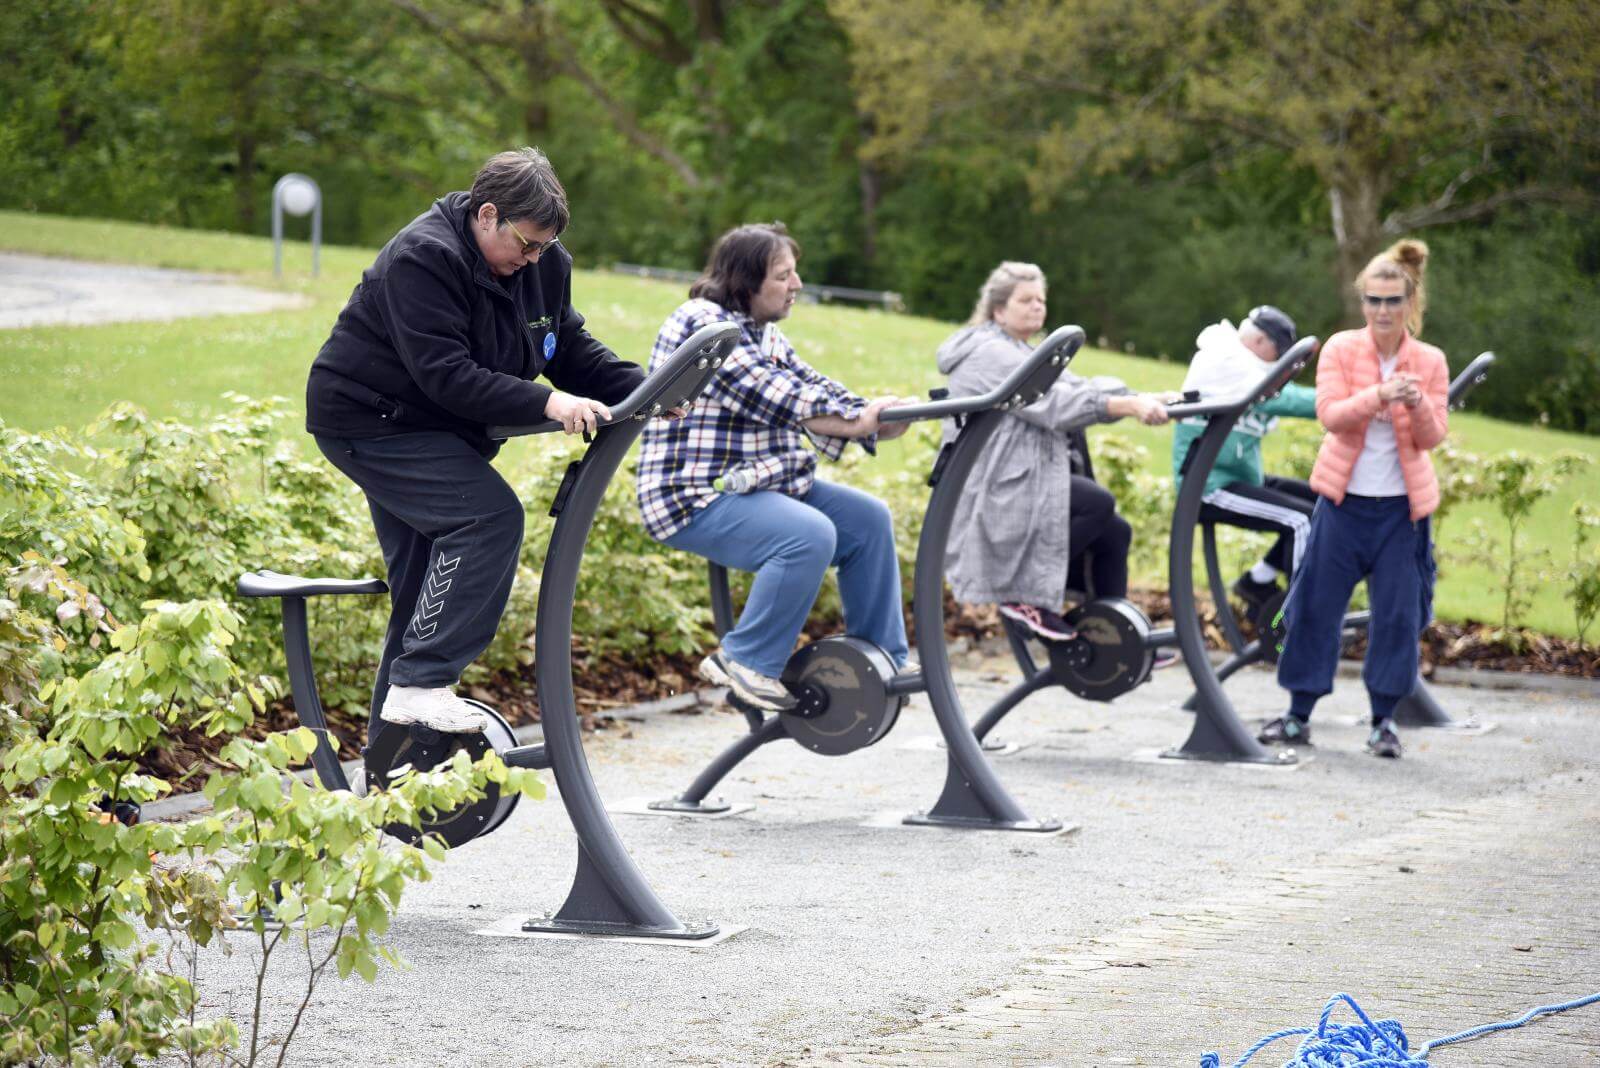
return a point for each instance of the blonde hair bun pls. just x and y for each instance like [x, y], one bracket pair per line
[1411, 253]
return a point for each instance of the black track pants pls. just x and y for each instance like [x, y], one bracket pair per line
[1099, 539]
[1281, 506]
[450, 528]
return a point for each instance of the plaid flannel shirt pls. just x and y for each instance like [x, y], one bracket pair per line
[751, 413]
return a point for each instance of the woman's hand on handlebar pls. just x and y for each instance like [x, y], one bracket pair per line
[575, 413]
[1150, 409]
[887, 431]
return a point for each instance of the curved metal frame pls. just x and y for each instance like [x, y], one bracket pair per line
[1419, 708]
[973, 796]
[1218, 732]
[609, 894]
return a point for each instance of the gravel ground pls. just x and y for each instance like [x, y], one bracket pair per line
[1242, 896]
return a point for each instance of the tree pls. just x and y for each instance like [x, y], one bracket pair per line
[1409, 115]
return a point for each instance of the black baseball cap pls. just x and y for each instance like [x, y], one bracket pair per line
[1275, 324]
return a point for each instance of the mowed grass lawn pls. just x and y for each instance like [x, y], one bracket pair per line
[61, 377]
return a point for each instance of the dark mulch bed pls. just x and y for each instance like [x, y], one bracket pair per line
[1473, 646]
[605, 685]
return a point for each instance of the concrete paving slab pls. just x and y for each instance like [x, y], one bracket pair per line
[1197, 908]
[43, 291]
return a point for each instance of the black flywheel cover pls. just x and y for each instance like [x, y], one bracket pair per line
[1114, 631]
[845, 705]
[397, 746]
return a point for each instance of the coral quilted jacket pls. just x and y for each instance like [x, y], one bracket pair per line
[1348, 377]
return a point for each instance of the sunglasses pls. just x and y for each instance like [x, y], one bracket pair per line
[532, 249]
[1382, 302]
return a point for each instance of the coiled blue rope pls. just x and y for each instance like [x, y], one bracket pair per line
[1372, 1044]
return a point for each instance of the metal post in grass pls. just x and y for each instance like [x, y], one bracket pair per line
[297, 195]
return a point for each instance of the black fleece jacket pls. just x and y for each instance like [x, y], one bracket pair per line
[432, 340]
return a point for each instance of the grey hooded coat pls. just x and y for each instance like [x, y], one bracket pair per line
[1009, 541]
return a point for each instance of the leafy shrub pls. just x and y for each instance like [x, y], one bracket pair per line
[1583, 575]
[1144, 500]
[1516, 482]
[79, 981]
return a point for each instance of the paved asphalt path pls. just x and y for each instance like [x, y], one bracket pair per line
[42, 291]
[1197, 908]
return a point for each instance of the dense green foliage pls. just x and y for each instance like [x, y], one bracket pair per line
[671, 119]
[101, 921]
[64, 376]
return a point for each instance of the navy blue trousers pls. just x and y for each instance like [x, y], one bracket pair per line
[1372, 538]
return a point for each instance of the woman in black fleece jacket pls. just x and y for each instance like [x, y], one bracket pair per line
[441, 338]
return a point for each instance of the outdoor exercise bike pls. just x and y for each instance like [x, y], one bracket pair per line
[1121, 636]
[849, 696]
[609, 895]
[1419, 709]
[1116, 642]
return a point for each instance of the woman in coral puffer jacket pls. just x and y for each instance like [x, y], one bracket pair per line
[1382, 397]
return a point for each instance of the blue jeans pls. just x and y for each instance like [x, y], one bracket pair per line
[789, 543]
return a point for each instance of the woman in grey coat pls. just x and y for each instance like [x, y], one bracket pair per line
[1030, 513]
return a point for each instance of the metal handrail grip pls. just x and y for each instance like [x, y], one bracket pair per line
[650, 397]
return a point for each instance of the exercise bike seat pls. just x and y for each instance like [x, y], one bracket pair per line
[266, 583]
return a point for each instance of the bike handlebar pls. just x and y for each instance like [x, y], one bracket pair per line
[1276, 377]
[1030, 381]
[1471, 375]
[703, 352]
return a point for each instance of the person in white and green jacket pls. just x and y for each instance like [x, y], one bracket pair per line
[1238, 493]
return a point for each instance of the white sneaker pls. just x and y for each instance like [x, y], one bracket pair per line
[750, 686]
[438, 708]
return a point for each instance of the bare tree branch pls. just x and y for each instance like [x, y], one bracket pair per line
[462, 43]
[710, 19]
[626, 123]
[1400, 222]
[647, 31]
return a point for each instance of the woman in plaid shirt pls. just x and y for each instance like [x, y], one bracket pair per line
[736, 483]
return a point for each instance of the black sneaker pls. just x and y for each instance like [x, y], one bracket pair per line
[1384, 742]
[1285, 730]
[1041, 622]
[1254, 594]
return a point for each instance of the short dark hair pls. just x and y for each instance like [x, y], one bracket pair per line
[739, 263]
[521, 184]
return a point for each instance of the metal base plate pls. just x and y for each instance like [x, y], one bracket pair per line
[1048, 827]
[697, 934]
[1282, 759]
[992, 746]
[1470, 725]
[712, 808]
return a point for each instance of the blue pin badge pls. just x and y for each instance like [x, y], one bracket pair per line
[550, 346]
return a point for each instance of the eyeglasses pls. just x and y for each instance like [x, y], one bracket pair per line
[1373, 301]
[533, 249]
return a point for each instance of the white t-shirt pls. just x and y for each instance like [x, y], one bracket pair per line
[1377, 470]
